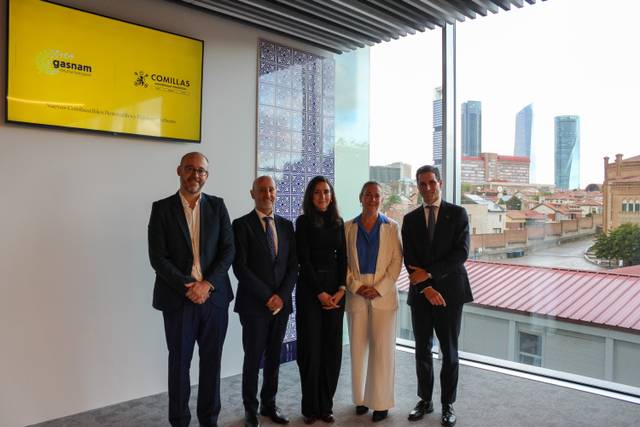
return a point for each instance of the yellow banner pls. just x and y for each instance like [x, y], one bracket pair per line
[75, 69]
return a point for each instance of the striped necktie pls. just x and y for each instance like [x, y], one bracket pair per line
[271, 242]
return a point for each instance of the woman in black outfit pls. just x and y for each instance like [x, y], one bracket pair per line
[320, 298]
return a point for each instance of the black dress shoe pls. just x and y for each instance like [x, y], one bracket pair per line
[448, 415]
[422, 407]
[328, 418]
[251, 420]
[274, 413]
[379, 415]
[361, 410]
[308, 420]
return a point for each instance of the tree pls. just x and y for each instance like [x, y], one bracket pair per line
[622, 243]
[393, 199]
[514, 204]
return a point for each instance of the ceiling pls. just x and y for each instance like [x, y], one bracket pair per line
[344, 25]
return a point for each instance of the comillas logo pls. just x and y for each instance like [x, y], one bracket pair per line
[173, 81]
[140, 80]
[161, 82]
[53, 61]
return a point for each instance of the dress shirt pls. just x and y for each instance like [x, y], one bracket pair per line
[193, 223]
[272, 224]
[368, 244]
[436, 205]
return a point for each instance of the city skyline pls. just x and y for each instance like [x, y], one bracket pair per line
[572, 67]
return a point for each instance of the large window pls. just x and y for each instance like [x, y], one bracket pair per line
[544, 117]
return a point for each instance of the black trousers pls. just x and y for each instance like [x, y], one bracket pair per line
[205, 324]
[261, 335]
[446, 322]
[319, 348]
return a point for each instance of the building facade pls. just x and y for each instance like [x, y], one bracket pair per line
[522, 145]
[471, 128]
[621, 192]
[437, 127]
[567, 152]
[491, 167]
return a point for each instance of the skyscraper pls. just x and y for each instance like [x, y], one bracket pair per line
[522, 146]
[567, 152]
[471, 128]
[437, 127]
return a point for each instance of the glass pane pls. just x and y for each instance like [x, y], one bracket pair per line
[550, 179]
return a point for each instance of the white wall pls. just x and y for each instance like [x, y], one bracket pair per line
[77, 330]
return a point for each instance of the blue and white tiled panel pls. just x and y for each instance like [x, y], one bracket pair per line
[295, 131]
[295, 121]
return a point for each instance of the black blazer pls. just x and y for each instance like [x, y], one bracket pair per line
[444, 258]
[258, 276]
[171, 254]
[322, 254]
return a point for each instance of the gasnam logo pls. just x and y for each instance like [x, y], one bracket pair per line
[54, 61]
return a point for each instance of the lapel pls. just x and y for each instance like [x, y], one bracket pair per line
[256, 226]
[280, 233]
[352, 236]
[205, 225]
[421, 225]
[441, 222]
[178, 211]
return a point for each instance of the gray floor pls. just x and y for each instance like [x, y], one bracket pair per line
[484, 399]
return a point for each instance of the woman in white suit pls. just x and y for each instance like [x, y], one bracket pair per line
[374, 255]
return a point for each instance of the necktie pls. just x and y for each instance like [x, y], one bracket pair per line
[431, 222]
[271, 242]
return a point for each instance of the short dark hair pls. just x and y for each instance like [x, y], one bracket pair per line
[309, 209]
[427, 169]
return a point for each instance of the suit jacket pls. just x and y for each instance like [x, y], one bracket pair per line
[388, 267]
[444, 258]
[171, 254]
[258, 276]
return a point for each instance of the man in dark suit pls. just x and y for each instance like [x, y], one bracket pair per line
[435, 240]
[191, 249]
[267, 268]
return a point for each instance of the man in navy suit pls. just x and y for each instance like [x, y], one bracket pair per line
[191, 249]
[435, 240]
[267, 268]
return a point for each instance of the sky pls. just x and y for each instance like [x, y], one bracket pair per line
[567, 57]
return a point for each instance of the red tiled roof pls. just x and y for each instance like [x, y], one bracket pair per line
[632, 269]
[596, 298]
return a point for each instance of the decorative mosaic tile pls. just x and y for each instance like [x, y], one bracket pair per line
[328, 144]
[283, 140]
[267, 51]
[283, 77]
[283, 97]
[267, 94]
[266, 138]
[283, 118]
[266, 160]
[283, 161]
[283, 184]
[267, 72]
[284, 56]
[266, 116]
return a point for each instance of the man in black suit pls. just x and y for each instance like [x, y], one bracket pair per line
[267, 268]
[191, 249]
[435, 240]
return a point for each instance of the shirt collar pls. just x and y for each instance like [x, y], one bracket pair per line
[436, 204]
[261, 215]
[185, 203]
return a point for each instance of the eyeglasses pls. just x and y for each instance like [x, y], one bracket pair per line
[198, 171]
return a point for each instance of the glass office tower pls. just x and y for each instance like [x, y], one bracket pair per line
[567, 152]
[471, 128]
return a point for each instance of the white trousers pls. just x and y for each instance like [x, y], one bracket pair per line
[372, 334]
